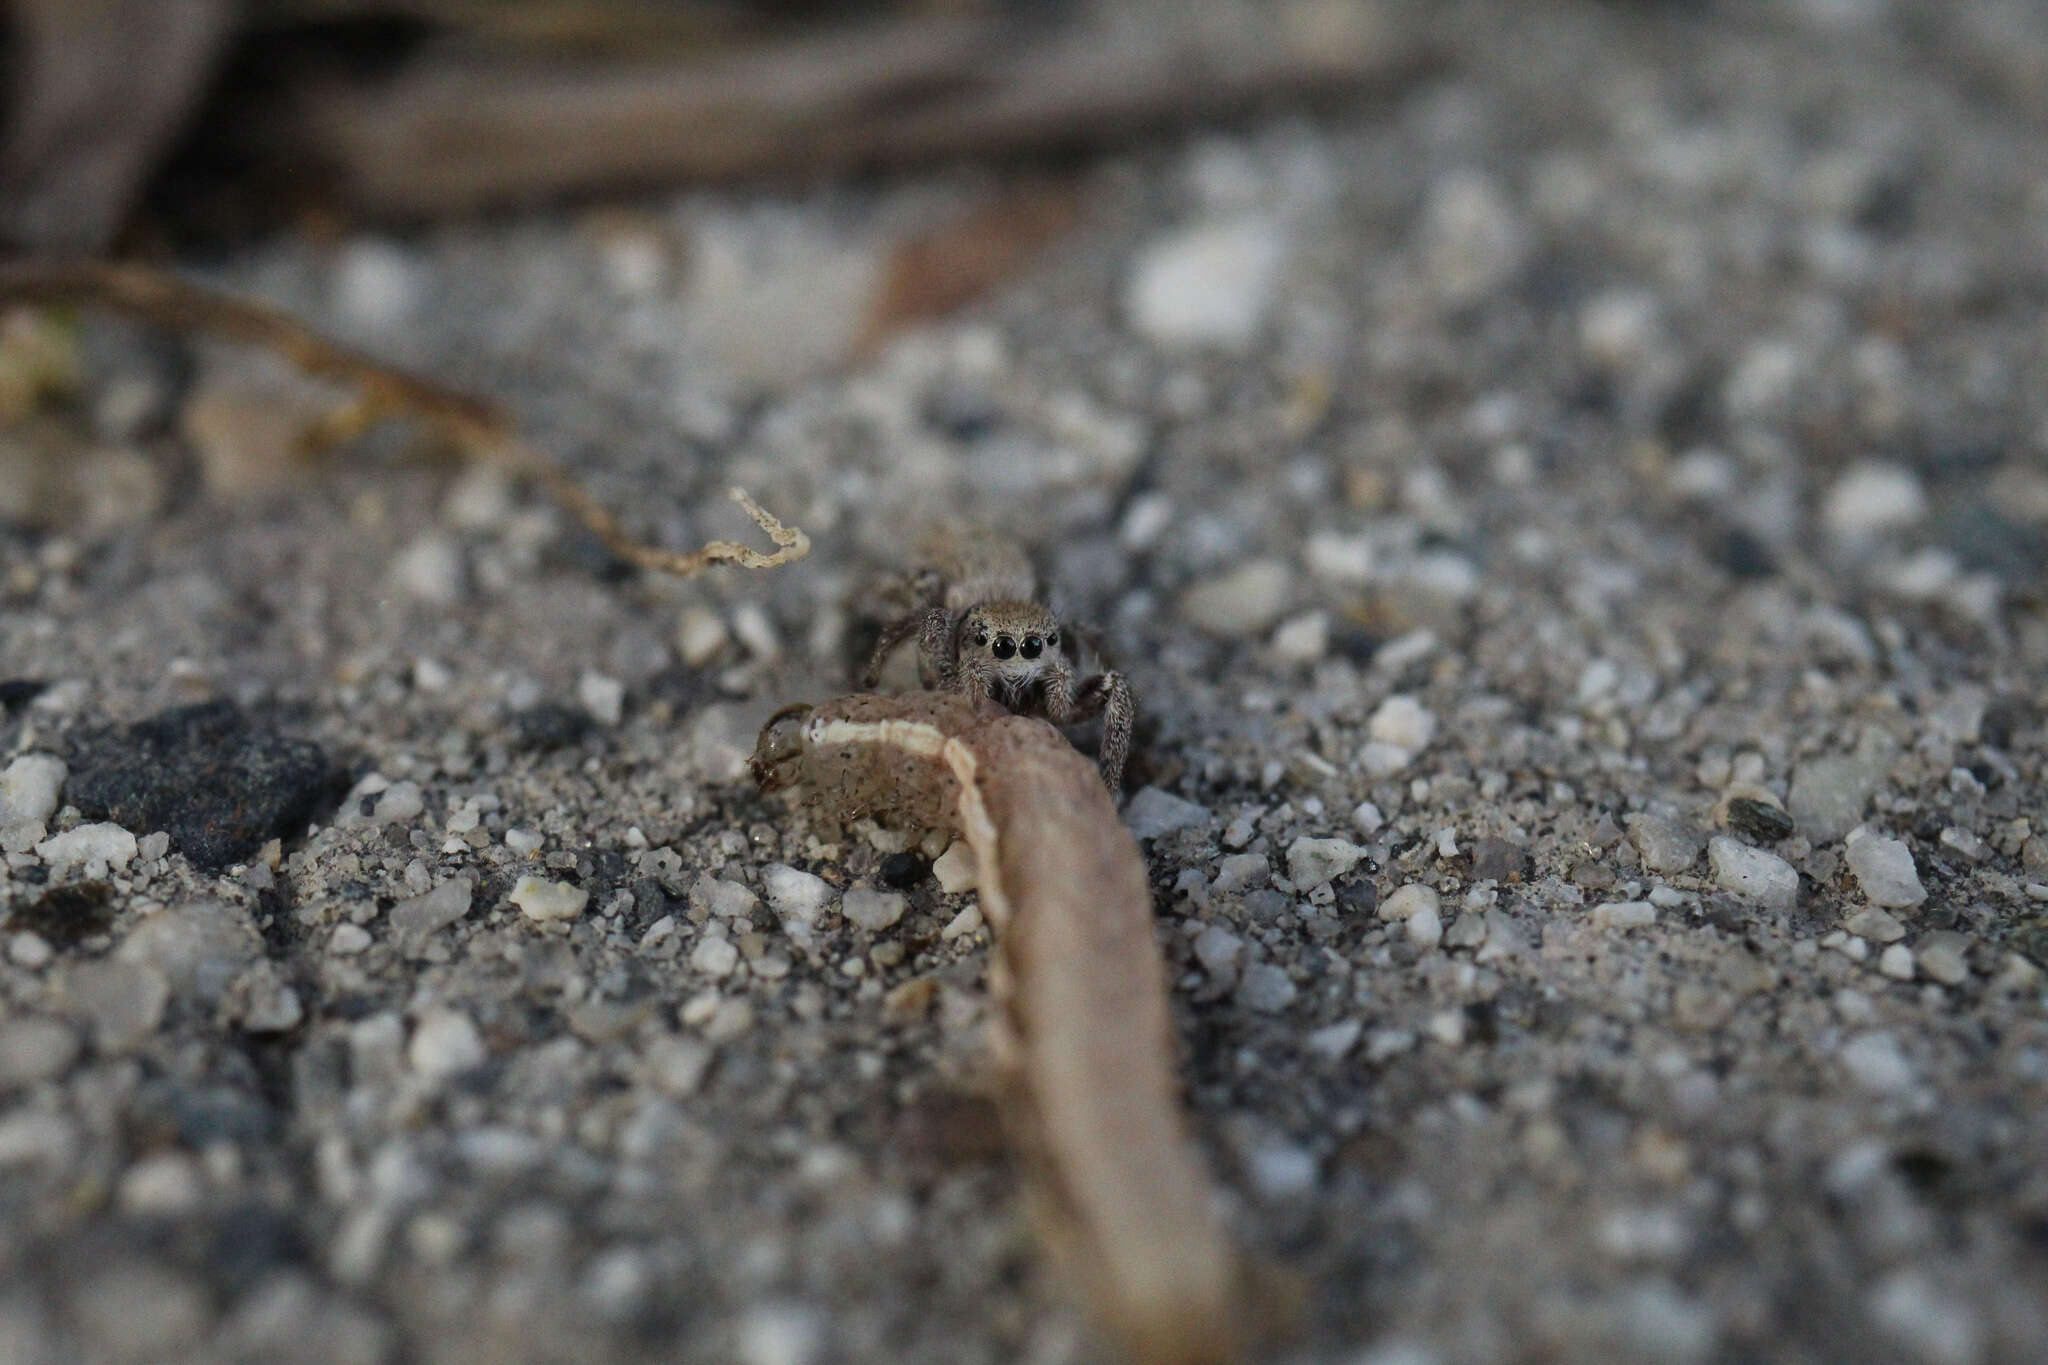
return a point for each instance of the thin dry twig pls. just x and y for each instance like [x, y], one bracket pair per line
[1083, 1038]
[476, 427]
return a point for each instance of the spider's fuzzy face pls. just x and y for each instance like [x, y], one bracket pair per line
[1012, 643]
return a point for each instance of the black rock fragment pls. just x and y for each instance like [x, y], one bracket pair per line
[1760, 820]
[65, 916]
[1499, 860]
[219, 783]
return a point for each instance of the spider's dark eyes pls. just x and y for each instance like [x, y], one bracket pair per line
[1052, 641]
[1004, 647]
[1032, 646]
[981, 637]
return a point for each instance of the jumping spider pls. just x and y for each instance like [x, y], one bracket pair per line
[982, 632]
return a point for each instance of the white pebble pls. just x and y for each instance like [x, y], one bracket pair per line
[1207, 285]
[873, 910]
[1896, 962]
[1625, 915]
[1943, 961]
[1336, 1040]
[28, 789]
[967, 922]
[348, 940]
[1883, 867]
[1265, 988]
[444, 1042]
[1302, 639]
[1753, 874]
[1426, 927]
[1876, 924]
[1872, 498]
[700, 635]
[603, 697]
[524, 842]
[1366, 818]
[795, 894]
[780, 1334]
[430, 570]
[104, 845]
[1312, 862]
[1937, 1327]
[715, 956]
[1876, 1063]
[1151, 813]
[1241, 602]
[1217, 949]
[1404, 722]
[956, 869]
[544, 900]
[1409, 901]
[756, 631]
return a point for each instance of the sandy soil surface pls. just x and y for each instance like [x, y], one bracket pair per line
[1601, 485]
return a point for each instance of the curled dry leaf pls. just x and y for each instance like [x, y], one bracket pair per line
[1083, 1038]
[476, 427]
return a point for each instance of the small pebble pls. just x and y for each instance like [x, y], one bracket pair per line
[956, 869]
[873, 910]
[1207, 285]
[523, 842]
[1425, 927]
[1404, 723]
[1759, 820]
[106, 846]
[794, 894]
[1665, 843]
[348, 939]
[34, 1049]
[1313, 862]
[1753, 874]
[1241, 872]
[1218, 950]
[1875, 1062]
[1883, 868]
[1408, 901]
[1625, 915]
[1942, 958]
[1240, 603]
[1334, 1041]
[28, 789]
[430, 570]
[1302, 639]
[1896, 962]
[700, 636]
[1265, 988]
[1876, 924]
[1151, 813]
[603, 697]
[544, 900]
[968, 921]
[444, 1043]
[715, 956]
[1871, 499]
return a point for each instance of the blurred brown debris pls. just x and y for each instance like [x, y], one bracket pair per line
[416, 108]
[96, 91]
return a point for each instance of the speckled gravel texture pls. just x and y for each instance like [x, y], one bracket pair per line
[1575, 522]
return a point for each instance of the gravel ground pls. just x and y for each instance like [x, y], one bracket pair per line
[1576, 525]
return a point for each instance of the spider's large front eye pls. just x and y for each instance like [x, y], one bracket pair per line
[1032, 646]
[1004, 647]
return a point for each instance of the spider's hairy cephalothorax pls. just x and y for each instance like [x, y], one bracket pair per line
[982, 632]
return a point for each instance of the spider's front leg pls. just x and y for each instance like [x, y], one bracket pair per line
[920, 624]
[1106, 694]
